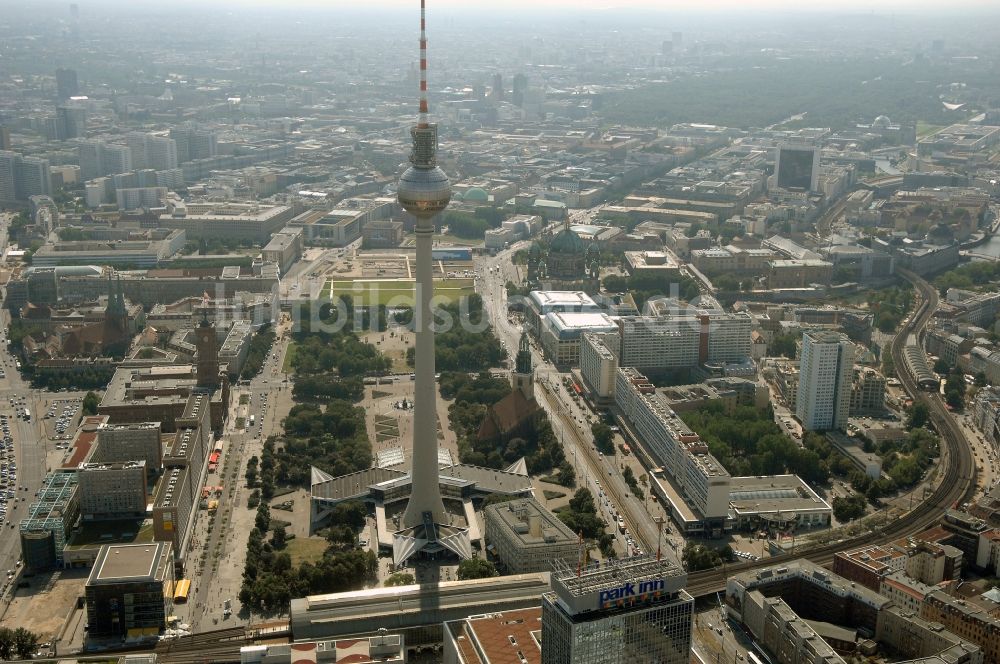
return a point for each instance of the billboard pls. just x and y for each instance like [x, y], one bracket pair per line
[797, 167]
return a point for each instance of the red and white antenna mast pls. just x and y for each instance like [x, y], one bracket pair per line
[423, 64]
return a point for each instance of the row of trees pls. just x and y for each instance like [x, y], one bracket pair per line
[646, 287]
[90, 403]
[603, 438]
[633, 485]
[323, 387]
[849, 508]
[954, 390]
[890, 306]
[968, 276]
[699, 556]
[468, 344]
[260, 346]
[334, 438]
[749, 442]
[260, 474]
[581, 517]
[19, 641]
[92, 377]
[341, 353]
[270, 580]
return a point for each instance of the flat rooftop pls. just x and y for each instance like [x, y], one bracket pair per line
[773, 493]
[517, 517]
[510, 637]
[129, 562]
[655, 260]
[551, 299]
[569, 321]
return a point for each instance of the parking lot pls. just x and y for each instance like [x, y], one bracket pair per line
[8, 473]
[64, 414]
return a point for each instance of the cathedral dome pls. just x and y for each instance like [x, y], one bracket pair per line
[567, 242]
[476, 195]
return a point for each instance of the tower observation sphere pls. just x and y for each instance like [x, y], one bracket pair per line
[424, 190]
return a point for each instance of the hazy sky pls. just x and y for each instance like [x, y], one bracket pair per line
[876, 6]
[667, 6]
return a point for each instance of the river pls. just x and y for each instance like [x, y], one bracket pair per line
[991, 248]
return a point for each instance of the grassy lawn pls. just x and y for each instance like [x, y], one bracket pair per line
[386, 428]
[286, 366]
[306, 549]
[244, 399]
[398, 292]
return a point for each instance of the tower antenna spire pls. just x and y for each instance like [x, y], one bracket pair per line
[423, 122]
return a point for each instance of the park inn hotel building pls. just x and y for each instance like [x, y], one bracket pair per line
[633, 611]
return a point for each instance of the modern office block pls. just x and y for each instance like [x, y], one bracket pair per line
[125, 590]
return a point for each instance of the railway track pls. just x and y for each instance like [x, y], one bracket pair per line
[206, 647]
[956, 485]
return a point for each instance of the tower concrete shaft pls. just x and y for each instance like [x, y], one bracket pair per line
[426, 490]
[424, 191]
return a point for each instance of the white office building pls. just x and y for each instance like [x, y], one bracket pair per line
[598, 365]
[134, 198]
[703, 483]
[825, 378]
[683, 340]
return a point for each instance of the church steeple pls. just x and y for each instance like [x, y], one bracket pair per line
[523, 363]
[523, 378]
[115, 313]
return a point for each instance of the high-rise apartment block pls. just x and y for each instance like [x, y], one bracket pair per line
[98, 158]
[125, 590]
[23, 177]
[67, 84]
[71, 122]
[152, 151]
[8, 168]
[825, 372]
[868, 392]
[194, 143]
[635, 610]
[130, 442]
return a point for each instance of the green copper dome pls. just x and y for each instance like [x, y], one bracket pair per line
[567, 242]
[476, 195]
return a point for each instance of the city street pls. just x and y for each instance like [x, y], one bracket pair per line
[569, 420]
[31, 447]
[224, 543]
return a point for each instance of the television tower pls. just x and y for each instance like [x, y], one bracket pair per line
[424, 191]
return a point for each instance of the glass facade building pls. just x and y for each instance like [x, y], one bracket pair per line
[635, 611]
